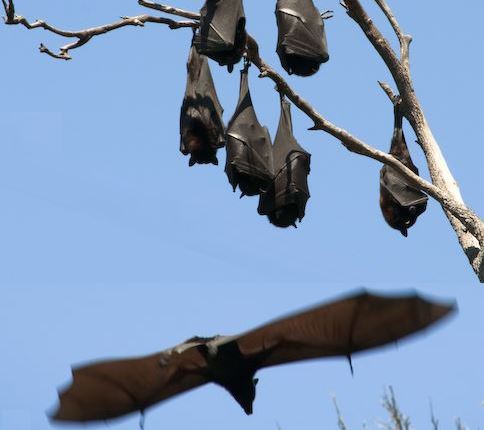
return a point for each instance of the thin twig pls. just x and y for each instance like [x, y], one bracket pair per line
[169, 9]
[400, 421]
[433, 420]
[341, 423]
[403, 39]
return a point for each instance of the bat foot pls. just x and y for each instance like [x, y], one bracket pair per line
[350, 362]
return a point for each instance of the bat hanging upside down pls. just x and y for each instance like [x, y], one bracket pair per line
[113, 388]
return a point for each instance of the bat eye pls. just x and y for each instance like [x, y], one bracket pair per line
[255, 381]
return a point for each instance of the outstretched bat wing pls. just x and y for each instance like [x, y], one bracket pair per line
[113, 388]
[202, 129]
[285, 199]
[301, 43]
[249, 147]
[222, 35]
[340, 328]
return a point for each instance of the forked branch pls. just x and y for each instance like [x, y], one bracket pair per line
[84, 36]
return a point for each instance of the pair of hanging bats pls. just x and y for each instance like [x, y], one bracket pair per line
[301, 43]
[113, 388]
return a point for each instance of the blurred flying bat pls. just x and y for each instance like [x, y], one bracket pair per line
[222, 35]
[202, 129]
[400, 203]
[285, 200]
[356, 323]
[301, 43]
[249, 147]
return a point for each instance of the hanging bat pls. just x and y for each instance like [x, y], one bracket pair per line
[202, 129]
[113, 388]
[301, 43]
[248, 145]
[285, 200]
[400, 203]
[222, 35]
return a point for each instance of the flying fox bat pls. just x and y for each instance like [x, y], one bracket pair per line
[285, 199]
[400, 203]
[249, 147]
[362, 321]
[222, 35]
[301, 43]
[202, 129]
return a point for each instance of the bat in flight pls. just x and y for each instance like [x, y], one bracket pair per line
[222, 35]
[249, 147]
[301, 43]
[112, 388]
[285, 199]
[202, 129]
[400, 203]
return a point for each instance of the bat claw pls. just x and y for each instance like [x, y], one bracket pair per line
[350, 362]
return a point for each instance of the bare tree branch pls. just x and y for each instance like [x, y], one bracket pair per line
[433, 420]
[341, 423]
[84, 36]
[403, 39]
[169, 9]
[468, 226]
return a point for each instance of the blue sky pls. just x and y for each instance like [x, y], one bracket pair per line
[110, 245]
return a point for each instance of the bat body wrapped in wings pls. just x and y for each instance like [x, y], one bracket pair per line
[285, 199]
[400, 203]
[248, 145]
[222, 35]
[202, 129]
[301, 43]
[359, 322]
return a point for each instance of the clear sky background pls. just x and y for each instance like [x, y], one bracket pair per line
[111, 246]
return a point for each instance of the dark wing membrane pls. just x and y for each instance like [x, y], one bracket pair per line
[202, 129]
[249, 147]
[340, 328]
[114, 388]
[222, 34]
[398, 188]
[301, 43]
[285, 200]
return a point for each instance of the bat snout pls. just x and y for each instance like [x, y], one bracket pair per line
[249, 409]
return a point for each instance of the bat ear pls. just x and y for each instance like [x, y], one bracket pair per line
[214, 160]
[191, 162]
[255, 381]
[404, 231]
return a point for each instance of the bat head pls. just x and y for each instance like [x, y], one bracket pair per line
[301, 66]
[398, 216]
[249, 185]
[196, 142]
[244, 394]
[285, 216]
